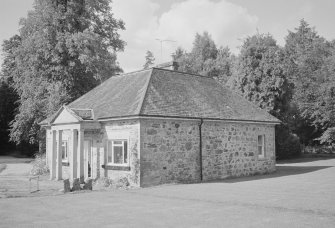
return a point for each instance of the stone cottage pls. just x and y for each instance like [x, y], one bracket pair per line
[160, 126]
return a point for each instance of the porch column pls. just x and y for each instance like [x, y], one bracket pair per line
[81, 153]
[59, 156]
[73, 162]
[47, 152]
[53, 155]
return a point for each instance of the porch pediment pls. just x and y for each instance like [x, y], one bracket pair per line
[66, 115]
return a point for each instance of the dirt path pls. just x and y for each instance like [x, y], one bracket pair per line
[17, 169]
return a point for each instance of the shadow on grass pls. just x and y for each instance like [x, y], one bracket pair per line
[281, 171]
[2, 167]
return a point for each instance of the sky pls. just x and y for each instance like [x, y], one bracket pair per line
[163, 25]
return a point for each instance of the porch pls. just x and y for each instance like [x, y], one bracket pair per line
[73, 151]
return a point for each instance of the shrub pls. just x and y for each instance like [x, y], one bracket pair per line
[39, 165]
[106, 182]
[287, 143]
[321, 149]
[122, 182]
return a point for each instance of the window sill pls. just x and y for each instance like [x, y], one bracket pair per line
[65, 163]
[116, 167]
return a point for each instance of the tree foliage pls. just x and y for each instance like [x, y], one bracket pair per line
[149, 60]
[259, 74]
[8, 99]
[205, 58]
[66, 47]
[311, 66]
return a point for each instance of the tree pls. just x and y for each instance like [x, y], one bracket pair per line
[179, 52]
[259, 74]
[321, 107]
[66, 48]
[221, 68]
[204, 50]
[205, 58]
[8, 96]
[309, 66]
[149, 60]
[8, 99]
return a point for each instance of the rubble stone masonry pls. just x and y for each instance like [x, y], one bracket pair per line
[170, 150]
[230, 149]
[126, 129]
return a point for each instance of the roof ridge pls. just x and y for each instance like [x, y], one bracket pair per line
[132, 72]
[145, 93]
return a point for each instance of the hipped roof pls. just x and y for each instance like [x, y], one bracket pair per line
[166, 93]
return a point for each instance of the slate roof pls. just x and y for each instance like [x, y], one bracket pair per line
[178, 94]
[119, 96]
[160, 92]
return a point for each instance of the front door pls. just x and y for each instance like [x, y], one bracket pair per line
[88, 158]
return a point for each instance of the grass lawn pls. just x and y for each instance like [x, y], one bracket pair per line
[14, 179]
[299, 194]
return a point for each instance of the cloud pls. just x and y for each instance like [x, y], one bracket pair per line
[140, 21]
[226, 22]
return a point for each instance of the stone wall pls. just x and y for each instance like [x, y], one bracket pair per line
[128, 129]
[169, 151]
[230, 149]
[66, 172]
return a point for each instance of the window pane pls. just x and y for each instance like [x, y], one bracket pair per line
[109, 153]
[118, 154]
[117, 142]
[125, 152]
[260, 150]
[260, 140]
[64, 150]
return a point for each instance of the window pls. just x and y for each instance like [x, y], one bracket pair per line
[117, 152]
[64, 150]
[261, 146]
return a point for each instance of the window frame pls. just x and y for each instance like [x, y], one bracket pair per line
[262, 145]
[112, 163]
[66, 158]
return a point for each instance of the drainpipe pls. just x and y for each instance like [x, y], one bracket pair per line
[200, 148]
